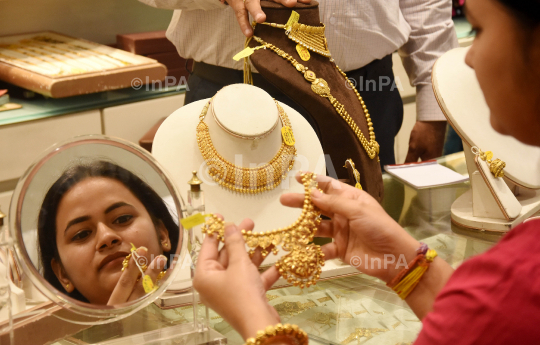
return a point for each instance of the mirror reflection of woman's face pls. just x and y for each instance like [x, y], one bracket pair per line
[96, 221]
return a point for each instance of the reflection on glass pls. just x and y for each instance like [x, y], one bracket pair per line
[88, 220]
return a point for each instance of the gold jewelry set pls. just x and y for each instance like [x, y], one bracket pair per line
[496, 166]
[302, 266]
[293, 331]
[246, 180]
[312, 38]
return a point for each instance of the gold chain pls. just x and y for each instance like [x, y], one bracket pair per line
[240, 179]
[310, 37]
[302, 266]
[320, 87]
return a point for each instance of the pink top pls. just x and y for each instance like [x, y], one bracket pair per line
[493, 298]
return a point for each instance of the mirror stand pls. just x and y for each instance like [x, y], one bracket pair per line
[492, 204]
[5, 283]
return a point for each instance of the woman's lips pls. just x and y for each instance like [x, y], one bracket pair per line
[116, 263]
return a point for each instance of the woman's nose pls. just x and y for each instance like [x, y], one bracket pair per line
[469, 57]
[106, 237]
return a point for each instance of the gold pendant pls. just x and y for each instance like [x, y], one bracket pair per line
[302, 266]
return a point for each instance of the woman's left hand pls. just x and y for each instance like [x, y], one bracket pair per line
[229, 282]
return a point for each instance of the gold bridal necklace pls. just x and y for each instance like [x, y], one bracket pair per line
[302, 266]
[247, 180]
[310, 38]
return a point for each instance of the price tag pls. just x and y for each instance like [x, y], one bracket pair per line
[244, 53]
[147, 284]
[287, 134]
[303, 52]
[292, 19]
[192, 221]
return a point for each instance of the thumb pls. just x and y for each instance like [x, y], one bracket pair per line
[235, 244]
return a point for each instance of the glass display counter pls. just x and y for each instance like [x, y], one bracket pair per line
[355, 309]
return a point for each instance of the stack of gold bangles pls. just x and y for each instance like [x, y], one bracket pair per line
[293, 331]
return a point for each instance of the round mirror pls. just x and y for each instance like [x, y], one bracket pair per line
[96, 227]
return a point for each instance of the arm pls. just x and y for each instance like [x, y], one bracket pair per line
[188, 5]
[360, 228]
[432, 34]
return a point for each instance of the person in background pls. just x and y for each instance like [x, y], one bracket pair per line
[362, 35]
[493, 298]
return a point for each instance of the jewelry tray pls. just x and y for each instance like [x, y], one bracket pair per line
[57, 65]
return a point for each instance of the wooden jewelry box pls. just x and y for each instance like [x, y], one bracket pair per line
[57, 65]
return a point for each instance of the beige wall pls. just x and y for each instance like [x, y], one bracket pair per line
[94, 20]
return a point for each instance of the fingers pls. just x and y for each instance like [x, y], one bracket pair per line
[325, 229]
[234, 244]
[254, 8]
[328, 184]
[257, 257]
[412, 155]
[128, 279]
[330, 251]
[344, 205]
[269, 277]
[287, 3]
[241, 14]
[292, 200]
[157, 265]
[209, 249]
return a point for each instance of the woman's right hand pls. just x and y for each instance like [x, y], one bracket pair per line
[130, 285]
[360, 227]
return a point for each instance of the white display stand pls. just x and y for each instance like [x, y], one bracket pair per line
[492, 204]
[246, 111]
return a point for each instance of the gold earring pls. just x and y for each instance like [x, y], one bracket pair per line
[496, 166]
[67, 286]
[356, 173]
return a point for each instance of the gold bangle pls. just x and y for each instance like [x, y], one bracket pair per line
[293, 331]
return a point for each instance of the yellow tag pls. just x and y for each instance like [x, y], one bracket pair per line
[147, 284]
[358, 185]
[244, 53]
[133, 248]
[303, 52]
[287, 134]
[192, 221]
[292, 19]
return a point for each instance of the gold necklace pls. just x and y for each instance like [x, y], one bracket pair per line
[310, 37]
[302, 266]
[240, 179]
[320, 87]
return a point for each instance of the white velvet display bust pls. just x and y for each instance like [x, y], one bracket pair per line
[250, 112]
[493, 204]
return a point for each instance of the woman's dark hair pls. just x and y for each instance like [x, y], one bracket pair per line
[526, 11]
[153, 203]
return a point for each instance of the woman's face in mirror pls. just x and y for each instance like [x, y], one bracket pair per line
[96, 222]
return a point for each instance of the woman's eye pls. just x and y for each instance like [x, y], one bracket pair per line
[81, 235]
[123, 219]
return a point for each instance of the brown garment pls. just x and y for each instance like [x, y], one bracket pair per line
[337, 138]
